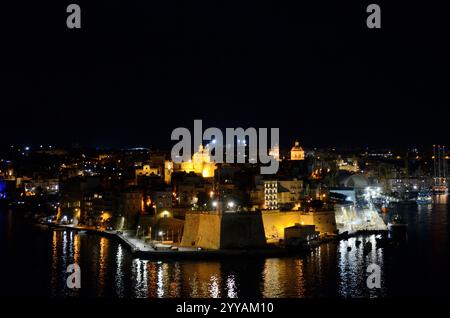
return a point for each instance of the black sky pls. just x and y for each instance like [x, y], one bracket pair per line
[138, 69]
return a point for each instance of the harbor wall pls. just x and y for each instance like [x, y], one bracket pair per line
[325, 222]
[201, 230]
[249, 230]
[242, 230]
[225, 231]
[276, 221]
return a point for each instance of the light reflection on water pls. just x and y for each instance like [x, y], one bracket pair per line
[353, 263]
[335, 269]
[109, 270]
[119, 272]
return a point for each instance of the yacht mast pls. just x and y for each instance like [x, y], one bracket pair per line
[439, 163]
[434, 164]
[444, 164]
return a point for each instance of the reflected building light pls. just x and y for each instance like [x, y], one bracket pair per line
[160, 282]
[174, 286]
[300, 279]
[271, 278]
[231, 287]
[64, 247]
[137, 266]
[144, 278]
[102, 263]
[119, 274]
[55, 258]
[71, 245]
[152, 280]
[140, 288]
[214, 287]
[77, 249]
[194, 285]
[119, 255]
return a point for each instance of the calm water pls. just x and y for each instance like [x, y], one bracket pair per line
[33, 263]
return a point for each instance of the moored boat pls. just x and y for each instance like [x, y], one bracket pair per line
[424, 197]
[397, 225]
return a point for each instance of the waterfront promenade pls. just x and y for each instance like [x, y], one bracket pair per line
[158, 250]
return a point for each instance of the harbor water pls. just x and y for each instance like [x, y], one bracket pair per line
[33, 263]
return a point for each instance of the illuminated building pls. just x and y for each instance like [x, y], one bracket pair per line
[347, 165]
[275, 152]
[147, 170]
[200, 164]
[297, 152]
[38, 186]
[281, 193]
[98, 205]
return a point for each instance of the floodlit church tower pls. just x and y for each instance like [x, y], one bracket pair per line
[200, 163]
[297, 152]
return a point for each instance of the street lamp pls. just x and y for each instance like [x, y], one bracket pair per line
[137, 231]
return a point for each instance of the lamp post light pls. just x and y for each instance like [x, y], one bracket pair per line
[137, 230]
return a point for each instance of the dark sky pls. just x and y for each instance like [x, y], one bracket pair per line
[138, 69]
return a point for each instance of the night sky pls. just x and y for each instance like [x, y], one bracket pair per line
[138, 69]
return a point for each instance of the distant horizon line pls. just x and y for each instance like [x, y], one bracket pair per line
[74, 146]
